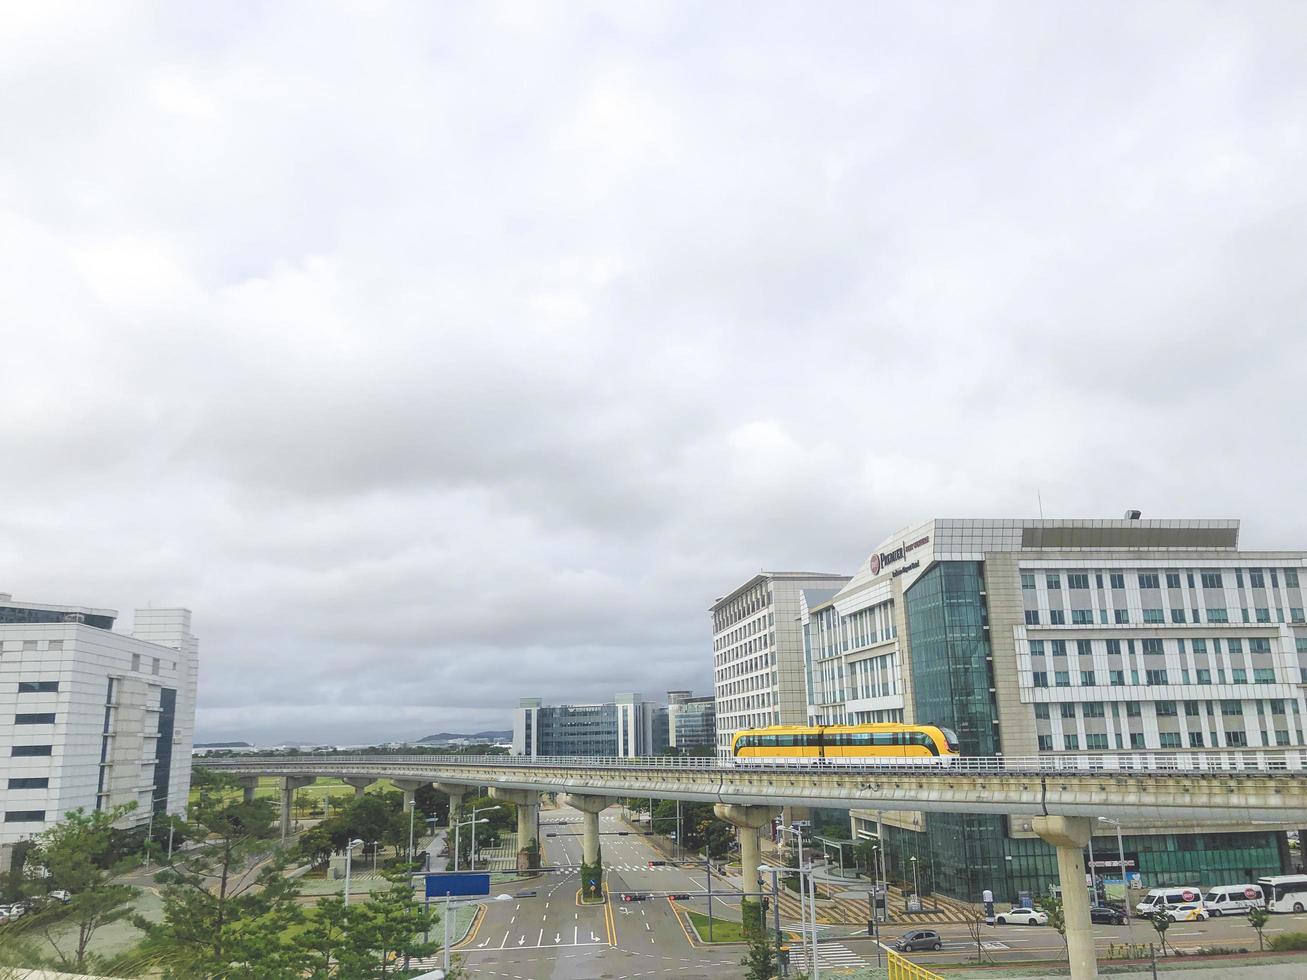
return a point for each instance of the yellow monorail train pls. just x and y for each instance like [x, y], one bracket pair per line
[879, 744]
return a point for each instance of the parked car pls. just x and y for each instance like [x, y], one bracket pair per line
[1022, 917]
[1106, 915]
[917, 939]
[59, 895]
[526, 893]
[1158, 898]
[1233, 899]
[1187, 912]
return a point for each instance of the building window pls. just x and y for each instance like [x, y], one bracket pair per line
[1212, 580]
[1041, 710]
[1116, 678]
[1027, 580]
[1238, 675]
[1032, 617]
[1153, 647]
[1154, 616]
[1061, 678]
[1281, 736]
[42, 718]
[1165, 709]
[1236, 740]
[1093, 709]
[31, 750]
[1177, 615]
[1116, 580]
[1053, 581]
[1121, 615]
[1204, 675]
[24, 816]
[1082, 617]
[1056, 617]
[1173, 580]
[1155, 677]
[1149, 581]
[1218, 615]
[1059, 648]
[136, 661]
[1096, 742]
[1195, 740]
[1263, 614]
[1169, 740]
[38, 687]
[1077, 581]
[1045, 743]
[1259, 644]
[1040, 678]
[1291, 577]
[1071, 742]
[1137, 740]
[1296, 614]
[1067, 709]
[1132, 709]
[1114, 648]
[1232, 709]
[1255, 578]
[1087, 678]
[29, 782]
[1191, 709]
[1263, 675]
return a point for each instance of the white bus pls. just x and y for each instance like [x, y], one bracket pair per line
[1285, 893]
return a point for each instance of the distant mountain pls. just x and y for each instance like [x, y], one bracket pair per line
[223, 745]
[442, 738]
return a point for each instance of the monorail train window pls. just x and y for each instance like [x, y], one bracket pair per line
[951, 738]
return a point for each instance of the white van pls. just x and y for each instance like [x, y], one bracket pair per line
[1158, 898]
[1234, 899]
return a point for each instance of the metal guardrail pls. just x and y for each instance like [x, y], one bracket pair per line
[902, 968]
[1250, 762]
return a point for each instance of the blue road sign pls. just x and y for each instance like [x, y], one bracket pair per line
[457, 884]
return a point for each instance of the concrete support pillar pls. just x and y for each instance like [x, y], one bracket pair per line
[409, 787]
[528, 809]
[747, 820]
[455, 792]
[360, 784]
[1070, 835]
[248, 785]
[289, 784]
[590, 807]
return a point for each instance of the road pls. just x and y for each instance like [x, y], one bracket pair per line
[1014, 943]
[551, 936]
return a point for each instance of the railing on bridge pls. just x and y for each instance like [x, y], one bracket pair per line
[1252, 761]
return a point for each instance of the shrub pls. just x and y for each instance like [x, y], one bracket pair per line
[1289, 940]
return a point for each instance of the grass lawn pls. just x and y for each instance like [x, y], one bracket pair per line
[723, 930]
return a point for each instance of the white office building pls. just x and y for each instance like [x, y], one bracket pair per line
[1036, 637]
[92, 718]
[758, 660]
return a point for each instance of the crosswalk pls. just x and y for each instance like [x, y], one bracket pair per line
[829, 955]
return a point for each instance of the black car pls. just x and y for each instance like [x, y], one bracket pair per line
[1106, 915]
[918, 939]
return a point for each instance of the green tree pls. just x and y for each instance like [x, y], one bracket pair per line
[228, 909]
[760, 959]
[1257, 918]
[368, 939]
[76, 856]
[1160, 923]
[1056, 918]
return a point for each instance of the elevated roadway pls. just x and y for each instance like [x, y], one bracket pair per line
[1062, 794]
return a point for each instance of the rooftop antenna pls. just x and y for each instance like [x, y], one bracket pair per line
[1041, 503]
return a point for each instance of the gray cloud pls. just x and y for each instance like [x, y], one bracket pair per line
[439, 355]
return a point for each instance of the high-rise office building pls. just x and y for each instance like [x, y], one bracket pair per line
[758, 665]
[1037, 637]
[692, 722]
[91, 718]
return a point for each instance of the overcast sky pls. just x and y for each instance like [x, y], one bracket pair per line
[436, 355]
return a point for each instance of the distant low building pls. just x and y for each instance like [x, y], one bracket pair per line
[627, 726]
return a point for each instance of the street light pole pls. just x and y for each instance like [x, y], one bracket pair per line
[916, 885]
[412, 808]
[349, 857]
[1120, 853]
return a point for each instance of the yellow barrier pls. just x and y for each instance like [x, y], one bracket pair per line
[901, 968]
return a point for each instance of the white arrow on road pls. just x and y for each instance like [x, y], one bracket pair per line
[594, 938]
[521, 940]
[625, 911]
[482, 945]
